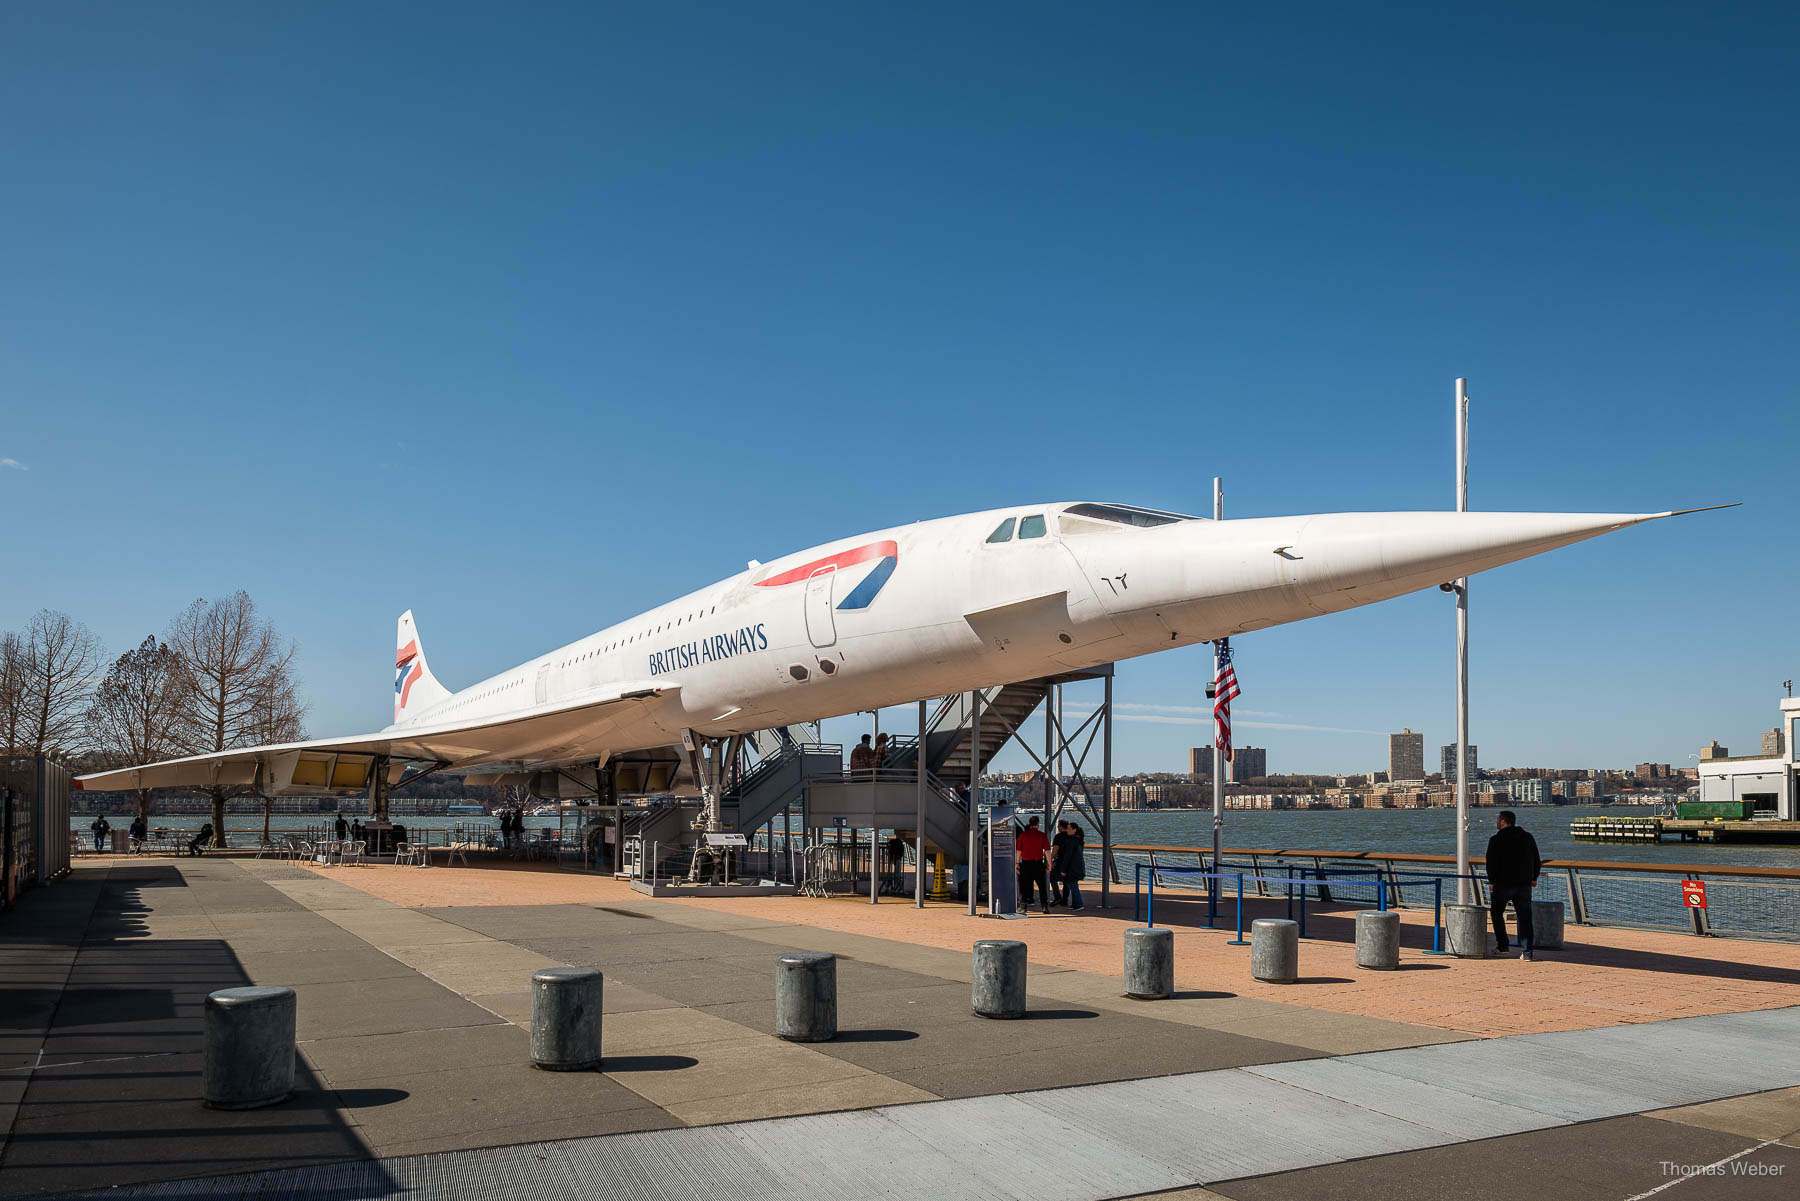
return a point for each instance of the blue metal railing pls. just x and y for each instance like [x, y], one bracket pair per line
[1145, 900]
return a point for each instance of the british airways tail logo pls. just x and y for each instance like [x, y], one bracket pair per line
[888, 556]
[406, 670]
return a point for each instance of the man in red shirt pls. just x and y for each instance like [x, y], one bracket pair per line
[1031, 846]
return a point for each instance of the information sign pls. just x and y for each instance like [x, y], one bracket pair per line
[1003, 874]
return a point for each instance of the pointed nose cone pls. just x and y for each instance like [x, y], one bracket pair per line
[1349, 559]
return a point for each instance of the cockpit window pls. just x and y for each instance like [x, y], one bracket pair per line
[1032, 527]
[1126, 515]
[1003, 533]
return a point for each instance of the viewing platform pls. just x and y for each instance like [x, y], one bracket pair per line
[414, 1076]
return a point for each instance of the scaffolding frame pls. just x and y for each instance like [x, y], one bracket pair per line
[1073, 747]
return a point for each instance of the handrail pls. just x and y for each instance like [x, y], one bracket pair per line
[893, 775]
[794, 751]
[1606, 865]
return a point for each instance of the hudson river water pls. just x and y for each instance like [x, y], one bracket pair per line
[1428, 832]
[1422, 831]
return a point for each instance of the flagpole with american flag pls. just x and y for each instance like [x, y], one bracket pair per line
[1218, 778]
[1225, 690]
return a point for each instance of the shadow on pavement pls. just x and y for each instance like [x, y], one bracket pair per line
[646, 1063]
[112, 1090]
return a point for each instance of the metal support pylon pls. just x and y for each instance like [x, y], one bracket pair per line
[1070, 747]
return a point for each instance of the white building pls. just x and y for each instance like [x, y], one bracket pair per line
[1529, 792]
[1768, 781]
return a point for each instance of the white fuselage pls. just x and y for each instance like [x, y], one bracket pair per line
[937, 607]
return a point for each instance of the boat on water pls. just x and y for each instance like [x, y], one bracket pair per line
[466, 810]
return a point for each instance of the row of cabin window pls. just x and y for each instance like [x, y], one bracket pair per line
[1029, 527]
[642, 634]
[484, 695]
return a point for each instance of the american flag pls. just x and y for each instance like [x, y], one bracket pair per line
[1225, 689]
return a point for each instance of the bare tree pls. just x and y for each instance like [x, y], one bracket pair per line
[237, 683]
[61, 657]
[280, 718]
[511, 796]
[136, 710]
[13, 656]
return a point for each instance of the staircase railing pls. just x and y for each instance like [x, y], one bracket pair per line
[895, 775]
[778, 763]
[954, 709]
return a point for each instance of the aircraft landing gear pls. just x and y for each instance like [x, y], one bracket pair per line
[710, 760]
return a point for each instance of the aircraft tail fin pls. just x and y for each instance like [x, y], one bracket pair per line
[415, 688]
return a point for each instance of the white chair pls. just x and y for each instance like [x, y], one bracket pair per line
[403, 854]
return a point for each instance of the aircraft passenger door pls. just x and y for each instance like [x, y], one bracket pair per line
[821, 626]
[543, 684]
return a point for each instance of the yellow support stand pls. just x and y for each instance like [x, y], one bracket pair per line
[940, 883]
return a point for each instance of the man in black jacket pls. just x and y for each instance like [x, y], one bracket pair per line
[1512, 870]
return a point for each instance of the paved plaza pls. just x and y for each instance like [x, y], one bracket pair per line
[1588, 1073]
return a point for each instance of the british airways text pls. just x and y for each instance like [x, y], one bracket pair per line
[742, 641]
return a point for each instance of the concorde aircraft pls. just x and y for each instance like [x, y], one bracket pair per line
[923, 610]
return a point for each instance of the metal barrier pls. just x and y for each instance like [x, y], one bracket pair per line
[1290, 881]
[823, 867]
[1743, 902]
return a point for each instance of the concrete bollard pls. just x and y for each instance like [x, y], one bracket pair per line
[249, 1048]
[1149, 963]
[1378, 940]
[1466, 931]
[1546, 925]
[565, 1018]
[806, 996]
[997, 979]
[1275, 950]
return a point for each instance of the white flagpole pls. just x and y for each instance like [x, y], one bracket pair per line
[1464, 891]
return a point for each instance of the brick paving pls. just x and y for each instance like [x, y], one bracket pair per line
[414, 993]
[1603, 976]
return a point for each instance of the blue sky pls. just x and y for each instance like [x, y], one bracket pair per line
[531, 318]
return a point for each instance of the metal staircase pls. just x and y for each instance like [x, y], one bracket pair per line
[779, 781]
[1004, 709]
[946, 822]
[795, 769]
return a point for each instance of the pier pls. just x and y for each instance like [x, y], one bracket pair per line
[1732, 831]
[1654, 829]
[414, 1075]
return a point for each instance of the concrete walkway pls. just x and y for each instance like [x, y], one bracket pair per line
[414, 1054]
[1264, 1128]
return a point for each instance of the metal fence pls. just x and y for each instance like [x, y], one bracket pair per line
[34, 822]
[1742, 902]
